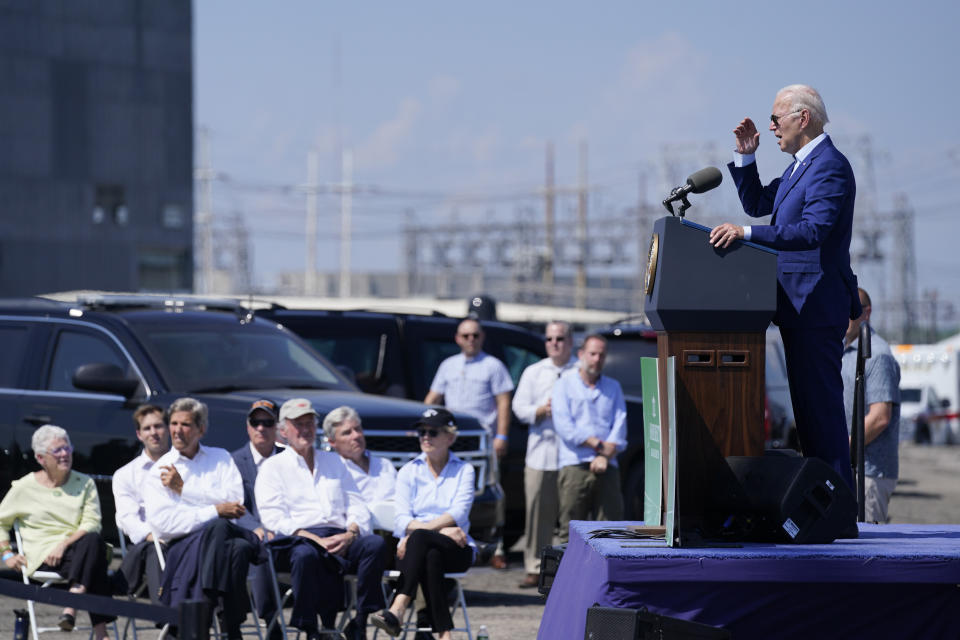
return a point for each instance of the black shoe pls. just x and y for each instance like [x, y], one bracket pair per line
[387, 621]
[66, 622]
[356, 629]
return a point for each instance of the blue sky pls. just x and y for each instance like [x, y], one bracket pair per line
[445, 98]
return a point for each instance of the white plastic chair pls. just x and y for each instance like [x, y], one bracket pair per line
[460, 602]
[46, 579]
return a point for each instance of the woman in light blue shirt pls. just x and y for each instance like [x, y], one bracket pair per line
[433, 499]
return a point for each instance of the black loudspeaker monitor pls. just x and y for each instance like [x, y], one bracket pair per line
[789, 499]
[608, 623]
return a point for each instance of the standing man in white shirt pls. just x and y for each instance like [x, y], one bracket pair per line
[191, 495]
[308, 494]
[590, 416]
[531, 404]
[141, 557]
[477, 384]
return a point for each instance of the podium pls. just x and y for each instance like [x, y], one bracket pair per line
[711, 309]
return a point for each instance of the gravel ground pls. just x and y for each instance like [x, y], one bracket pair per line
[928, 493]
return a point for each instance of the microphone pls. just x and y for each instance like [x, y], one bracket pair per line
[698, 182]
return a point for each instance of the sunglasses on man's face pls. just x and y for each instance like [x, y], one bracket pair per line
[263, 422]
[555, 339]
[433, 433]
[466, 336]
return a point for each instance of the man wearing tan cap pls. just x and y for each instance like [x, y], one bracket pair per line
[310, 500]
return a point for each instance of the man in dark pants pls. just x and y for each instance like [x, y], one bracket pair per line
[262, 432]
[190, 494]
[812, 208]
[141, 558]
[308, 497]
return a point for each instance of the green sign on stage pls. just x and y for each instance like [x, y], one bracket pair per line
[653, 466]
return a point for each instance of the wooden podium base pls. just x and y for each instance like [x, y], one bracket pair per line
[720, 388]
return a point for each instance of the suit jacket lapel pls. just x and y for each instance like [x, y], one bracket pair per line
[788, 181]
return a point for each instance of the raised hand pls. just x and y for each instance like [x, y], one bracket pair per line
[748, 138]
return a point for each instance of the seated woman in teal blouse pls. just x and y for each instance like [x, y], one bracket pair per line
[59, 514]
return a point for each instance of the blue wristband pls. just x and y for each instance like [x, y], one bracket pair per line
[7, 555]
[500, 436]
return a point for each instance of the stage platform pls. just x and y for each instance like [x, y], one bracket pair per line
[894, 581]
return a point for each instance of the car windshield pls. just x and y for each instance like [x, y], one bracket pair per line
[623, 362]
[215, 358]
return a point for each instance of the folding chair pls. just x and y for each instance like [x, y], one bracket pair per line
[350, 588]
[247, 629]
[460, 602]
[46, 579]
[131, 627]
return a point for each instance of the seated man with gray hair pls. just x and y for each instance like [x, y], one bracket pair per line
[192, 494]
[376, 477]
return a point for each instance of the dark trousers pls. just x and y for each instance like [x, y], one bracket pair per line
[85, 563]
[212, 563]
[317, 577]
[429, 555]
[816, 389]
[141, 563]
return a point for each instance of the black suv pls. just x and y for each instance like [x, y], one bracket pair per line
[398, 354]
[85, 366]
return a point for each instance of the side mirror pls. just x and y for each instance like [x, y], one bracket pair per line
[945, 402]
[106, 378]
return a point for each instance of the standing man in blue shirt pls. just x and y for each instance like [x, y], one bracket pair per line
[477, 384]
[590, 416]
[881, 424]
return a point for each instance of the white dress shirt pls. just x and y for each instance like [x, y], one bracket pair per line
[376, 486]
[291, 497]
[420, 496]
[128, 497]
[533, 391]
[209, 479]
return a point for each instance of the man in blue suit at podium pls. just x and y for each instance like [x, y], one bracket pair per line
[812, 216]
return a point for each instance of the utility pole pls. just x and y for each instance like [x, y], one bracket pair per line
[346, 204]
[580, 291]
[310, 232]
[204, 217]
[549, 226]
[904, 265]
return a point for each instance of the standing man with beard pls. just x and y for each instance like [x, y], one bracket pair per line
[590, 416]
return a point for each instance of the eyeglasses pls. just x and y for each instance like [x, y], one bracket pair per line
[61, 451]
[555, 339]
[475, 336]
[433, 433]
[263, 422]
[775, 119]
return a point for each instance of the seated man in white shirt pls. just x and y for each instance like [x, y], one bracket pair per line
[376, 477]
[306, 493]
[141, 557]
[191, 494]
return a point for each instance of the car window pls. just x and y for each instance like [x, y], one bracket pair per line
[76, 348]
[366, 356]
[434, 352]
[909, 394]
[623, 363]
[13, 343]
[517, 359]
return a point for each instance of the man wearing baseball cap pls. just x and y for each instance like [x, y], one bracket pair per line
[262, 431]
[307, 496]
